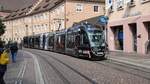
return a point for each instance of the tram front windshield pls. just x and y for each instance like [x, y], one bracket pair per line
[96, 38]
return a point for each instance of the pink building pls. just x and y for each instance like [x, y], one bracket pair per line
[129, 25]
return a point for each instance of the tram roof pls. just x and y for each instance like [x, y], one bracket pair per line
[83, 25]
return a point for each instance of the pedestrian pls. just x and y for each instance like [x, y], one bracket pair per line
[3, 66]
[14, 50]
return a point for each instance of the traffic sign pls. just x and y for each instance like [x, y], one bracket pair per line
[103, 20]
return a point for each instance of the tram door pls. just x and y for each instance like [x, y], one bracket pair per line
[44, 41]
[51, 42]
[60, 43]
[84, 42]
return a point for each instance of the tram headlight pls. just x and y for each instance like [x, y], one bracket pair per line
[103, 45]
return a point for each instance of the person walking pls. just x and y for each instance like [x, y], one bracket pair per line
[14, 50]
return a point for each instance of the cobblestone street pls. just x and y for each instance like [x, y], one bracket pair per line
[54, 68]
[75, 41]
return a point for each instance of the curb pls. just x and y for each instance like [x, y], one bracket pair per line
[129, 63]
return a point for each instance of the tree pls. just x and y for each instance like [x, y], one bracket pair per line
[2, 28]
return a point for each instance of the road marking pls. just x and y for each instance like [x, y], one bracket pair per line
[20, 82]
[21, 73]
[38, 73]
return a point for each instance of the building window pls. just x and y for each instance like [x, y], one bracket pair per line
[46, 26]
[95, 8]
[119, 4]
[145, 1]
[79, 7]
[132, 2]
[110, 6]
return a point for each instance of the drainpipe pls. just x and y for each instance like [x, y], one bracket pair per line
[65, 19]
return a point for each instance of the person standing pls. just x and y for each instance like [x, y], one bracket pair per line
[3, 67]
[14, 50]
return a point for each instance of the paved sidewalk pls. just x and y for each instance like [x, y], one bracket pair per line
[21, 72]
[134, 59]
[13, 69]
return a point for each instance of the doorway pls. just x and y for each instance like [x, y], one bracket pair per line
[118, 37]
[147, 44]
[133, 29]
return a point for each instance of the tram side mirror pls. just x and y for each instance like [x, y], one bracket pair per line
[80, 31]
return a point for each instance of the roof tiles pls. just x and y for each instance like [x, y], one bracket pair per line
[43, 6]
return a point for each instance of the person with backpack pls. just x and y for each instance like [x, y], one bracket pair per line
[14, 50]
[4, 60]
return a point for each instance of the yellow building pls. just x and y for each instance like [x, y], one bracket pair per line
[49, 15]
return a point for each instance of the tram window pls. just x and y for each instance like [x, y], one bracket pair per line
[85, 39]
[57, 42]
[70, 41]
[77, 40]
[44, 38]
[51, 41]
[63, 39]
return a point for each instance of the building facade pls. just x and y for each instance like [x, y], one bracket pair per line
[49, 15]
[129, 25]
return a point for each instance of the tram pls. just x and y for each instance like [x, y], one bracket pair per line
[84, 40]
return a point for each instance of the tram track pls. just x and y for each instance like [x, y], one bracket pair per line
[129, 69]
[71, 68]
[125, 68]
[64, 79]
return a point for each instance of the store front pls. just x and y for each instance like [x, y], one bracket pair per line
[118, 37]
